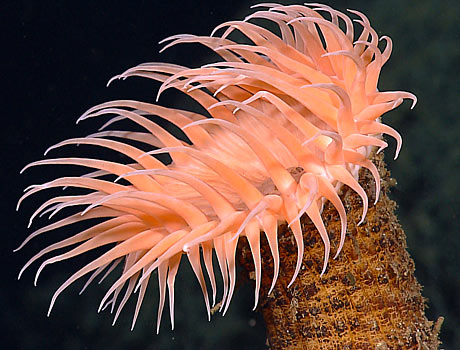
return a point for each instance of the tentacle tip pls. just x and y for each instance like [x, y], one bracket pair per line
[214, 31]
[235, 237]
[256, 300]
[297, 19]
[186, 126]
[112, 79]
[157, 98]
[293, 279]
[80, 119]
[138, 286]
[21, 245]
[323, 271]
[168, 38]
[20, 273]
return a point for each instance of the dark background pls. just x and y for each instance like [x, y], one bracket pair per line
[56, 59]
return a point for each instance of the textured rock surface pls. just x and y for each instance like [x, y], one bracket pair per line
[367, 299]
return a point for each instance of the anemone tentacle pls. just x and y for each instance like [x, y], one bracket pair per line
[290, 119]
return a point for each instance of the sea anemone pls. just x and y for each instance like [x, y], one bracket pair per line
[292, 116]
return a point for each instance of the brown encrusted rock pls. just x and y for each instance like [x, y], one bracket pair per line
[368, 299]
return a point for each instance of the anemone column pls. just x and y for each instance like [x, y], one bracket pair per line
[368, 298]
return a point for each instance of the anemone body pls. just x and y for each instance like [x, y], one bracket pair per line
[292, 116]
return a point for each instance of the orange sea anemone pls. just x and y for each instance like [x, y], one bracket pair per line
[292, 117]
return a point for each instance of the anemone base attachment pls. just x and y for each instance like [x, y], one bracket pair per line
[368, 298]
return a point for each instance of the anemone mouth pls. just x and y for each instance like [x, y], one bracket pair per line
[293, 116]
